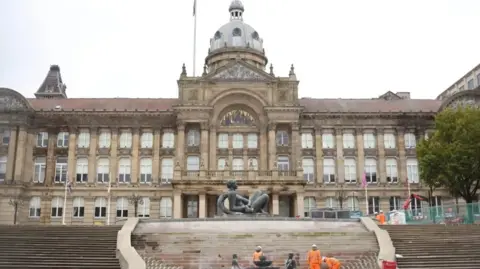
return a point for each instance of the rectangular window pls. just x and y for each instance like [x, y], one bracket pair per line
[103, 170]
[350, 170]
[146, 141]
[39, 168]
[395, 203]
[283, 163]
[57, 207]
[145, 170]
[470, 84]
[282, 138]
[309, 204]
[238, 166]
[168, 140]
[62, 140]
[328, 141]
[223, 141]
[392, 170]
[35, 208]
[122, 207]
[369, 141]
[371, 170]
[373, 204]
[252, 141]
[238, 141]
[348, 141]
[124, 170]
[143, 208]
[192, 206]
[308, 166]
[412, 171]
[100, 208]
[193, 163]
[478, 79]
[61, 169]
[410, 140]
[83, 140]
[78, 207]
[328, 170]
[389, 141]
[3, 168]
[167, 171]
[125, 140]
[104, 139]
[42, 140]
[82, 170]
[166, 208]
[6, 137]
[307, 140]
[221, 163]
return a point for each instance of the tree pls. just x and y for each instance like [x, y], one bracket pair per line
[450, 158]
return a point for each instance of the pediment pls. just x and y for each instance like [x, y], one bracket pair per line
[240, 72]
[12, 101]
[389, 96]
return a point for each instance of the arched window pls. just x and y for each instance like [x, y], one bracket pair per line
[103, 170]
[371, 170]
[57, 207]
[122, 207]
[392, 171]
[193, 138]
[255, 36]
[145, 170]
[167, 170]
[78, 207]
[100, 207]
[237, 32]
[34, 207]
[166, 207]
[237, 118]
[143, 208]
[124, 170]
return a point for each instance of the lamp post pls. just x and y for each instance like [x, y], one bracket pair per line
[15, 203]
[136, 200]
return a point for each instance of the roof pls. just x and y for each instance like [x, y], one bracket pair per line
[311, 105]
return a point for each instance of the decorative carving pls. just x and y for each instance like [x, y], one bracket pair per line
[272, 126]
[239, 72]
[192, 95]
[167, 151]
[464, 101]
[237, 117]
[282, 96]
[11, 103]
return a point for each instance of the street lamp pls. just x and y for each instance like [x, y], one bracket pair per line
[16, 203]
[136, 200]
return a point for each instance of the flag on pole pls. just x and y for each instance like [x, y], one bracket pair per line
[69, 186]
[194, 7]
[364, 180]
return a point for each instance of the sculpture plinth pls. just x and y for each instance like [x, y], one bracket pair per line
[263, 263]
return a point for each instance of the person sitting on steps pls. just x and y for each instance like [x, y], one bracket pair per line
[290, 263]
[257, 254]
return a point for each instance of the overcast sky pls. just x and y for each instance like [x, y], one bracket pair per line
[340, 48]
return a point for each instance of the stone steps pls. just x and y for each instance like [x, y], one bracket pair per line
[436, 246]
[66, 247]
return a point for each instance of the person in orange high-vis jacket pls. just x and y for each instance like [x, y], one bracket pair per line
[314, 259]
[257, 254]
[381, 217]
[332, 262]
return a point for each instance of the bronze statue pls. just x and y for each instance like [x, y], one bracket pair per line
[238, 204]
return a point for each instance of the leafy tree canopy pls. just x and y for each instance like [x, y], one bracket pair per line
[450, 158]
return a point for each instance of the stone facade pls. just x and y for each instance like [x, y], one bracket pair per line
[171, 157]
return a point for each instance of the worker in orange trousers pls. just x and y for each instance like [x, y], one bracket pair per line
[257, 254]
[314, 259]
[331, 262]
[381, 217]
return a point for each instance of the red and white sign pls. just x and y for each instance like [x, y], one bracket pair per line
[389, 265]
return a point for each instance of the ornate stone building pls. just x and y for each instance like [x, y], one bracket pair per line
[171, 157]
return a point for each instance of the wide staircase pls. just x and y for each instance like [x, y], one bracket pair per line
[436, 246]
[211, 244]
[66, 247]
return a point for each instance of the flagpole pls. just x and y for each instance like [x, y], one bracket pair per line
[409, 194]
[366, 199]
[109, 199]
[194, 35]
[65, 201]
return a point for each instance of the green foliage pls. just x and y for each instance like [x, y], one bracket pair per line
[450, 158]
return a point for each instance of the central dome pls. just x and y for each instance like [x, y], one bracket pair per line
[236, 33]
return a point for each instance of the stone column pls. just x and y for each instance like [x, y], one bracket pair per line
[381, 166]
[202, 205]
[272, 146]
[275, 204]
[11, 154]
[71, 159]
[180, 144]
[204, 144]
[402, 155]
[300, 204]
[156, 155]
[177, 204]
[20, 158]
[213, 148]
[360, 154]
[29, 156]
[50, 169]
[296, 146]
[263, 148]
[92, 156]
[135, 155]
[340, 160]
[113, 155]
[319, 155]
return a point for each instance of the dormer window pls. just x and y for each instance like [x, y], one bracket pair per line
[237, 32]
[255, 36]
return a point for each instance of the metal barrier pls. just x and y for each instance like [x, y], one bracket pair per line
[332, 213]
[444, 214]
